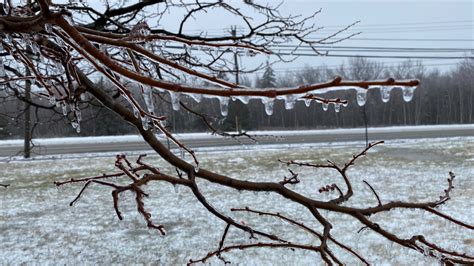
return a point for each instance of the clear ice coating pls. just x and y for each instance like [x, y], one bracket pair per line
[48, 28]
[52, 100]
[175, 96]
[149, 101]
[290, 101]
[78, 114]
[385, 93]
[196, 97]
[337, 107]
[136, 113]
[268, 103]
[325, 106]
[145, 122]
[361, 97]
[64, 107]
[244, 99]
[224, 105]
[408, 93]
[2, 68]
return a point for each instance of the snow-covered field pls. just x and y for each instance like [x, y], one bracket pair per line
[38, 226]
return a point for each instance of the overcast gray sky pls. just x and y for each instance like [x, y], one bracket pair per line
[411, 23]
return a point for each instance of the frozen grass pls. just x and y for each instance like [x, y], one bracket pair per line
[38, 226]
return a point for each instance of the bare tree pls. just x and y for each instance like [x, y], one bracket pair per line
[67, 47]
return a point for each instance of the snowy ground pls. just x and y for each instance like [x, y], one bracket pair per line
[38, 226]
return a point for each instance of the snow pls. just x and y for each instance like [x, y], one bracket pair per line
[188, 136]
[38, 226]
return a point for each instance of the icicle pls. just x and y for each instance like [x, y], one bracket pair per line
[175, 100]
[2, 68]
[290, 102]
[325, 106]
[78, 128]
[175, 188]
[163, 123]
[149, 101]
[408, 93]
[35, 48]
[224, 105]
[145, 120]
[244, 99]
[12, 83]
[52, 100]
[337, 107]
[8, 38]
[385, 93]
[78, 115]
[307, 102]
[69, 19]
[48, 28]
[64, 107]
[361, 97]
[268, 102]
[196, 97]
[196, 168]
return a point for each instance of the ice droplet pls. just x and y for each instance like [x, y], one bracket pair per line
[325, 106]
[385, 93]
[337, 107]
[361, 97]
[136, 113]
[269, 103]
[224, 105]
[196, 168]
[78, 128]
[408, 93]
[74, 124]
[175, 96]
[307, 102]
[290, 101]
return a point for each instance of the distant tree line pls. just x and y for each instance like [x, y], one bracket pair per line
[442, 98]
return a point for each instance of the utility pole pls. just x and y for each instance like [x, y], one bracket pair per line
[27, 125]
[366, 130]
[233, 31]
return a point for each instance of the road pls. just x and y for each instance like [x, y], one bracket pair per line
[282, 137]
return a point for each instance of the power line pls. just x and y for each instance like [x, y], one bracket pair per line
[411, 39]
[378, 56]
[373, 47]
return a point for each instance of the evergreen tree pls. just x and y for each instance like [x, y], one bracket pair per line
[268, 78]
